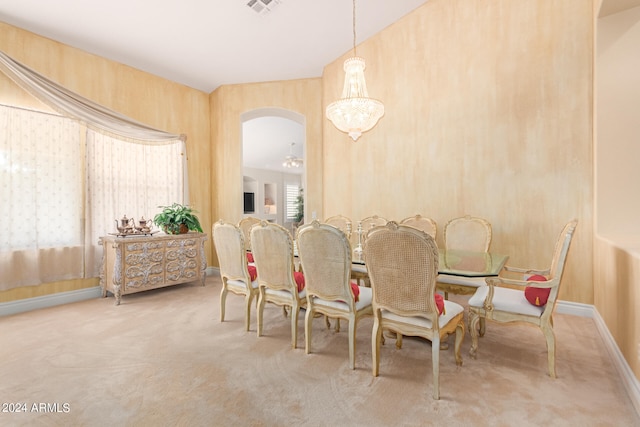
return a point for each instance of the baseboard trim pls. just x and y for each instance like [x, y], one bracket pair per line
[629, 380]
[35, 303]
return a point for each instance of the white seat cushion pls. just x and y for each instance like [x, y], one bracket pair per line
[359, 268]
[461, 280]
[286, 294]
[506, 299]
[239, 285]
[364, 300]
[451, 309]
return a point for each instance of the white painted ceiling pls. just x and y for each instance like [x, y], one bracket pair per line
[207, 43]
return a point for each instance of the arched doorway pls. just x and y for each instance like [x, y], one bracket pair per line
[271, 189]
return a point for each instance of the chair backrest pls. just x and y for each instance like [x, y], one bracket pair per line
[342, 223]
[272, 247]
[245, 225]
[325, 255]
[420, 222]
[372, 221]
[560, 259]
[468, 233]
[229, 243]
[402, 262]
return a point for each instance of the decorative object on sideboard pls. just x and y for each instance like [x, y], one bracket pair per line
[177, 219]
[127, 227]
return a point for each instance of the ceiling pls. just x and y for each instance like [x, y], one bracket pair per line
[207, 43]
[204, 44]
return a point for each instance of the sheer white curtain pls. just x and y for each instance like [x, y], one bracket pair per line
[58, 199]
[129, 179]
[41, 189]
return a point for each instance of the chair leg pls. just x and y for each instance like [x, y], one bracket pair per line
[376, 337]
[551, 349]
[352, 343]
[308, 320]
[459, 339]
[435, 356]
[261, 303]
[295, 311]
[223, 300]
[247, 315]
[483, 326]
[398, 341]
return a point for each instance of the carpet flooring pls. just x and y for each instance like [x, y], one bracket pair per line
[163, 358]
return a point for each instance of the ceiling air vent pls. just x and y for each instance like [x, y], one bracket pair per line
[262, 7]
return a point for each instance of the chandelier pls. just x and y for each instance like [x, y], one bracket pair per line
[292, 161]
[355, 112]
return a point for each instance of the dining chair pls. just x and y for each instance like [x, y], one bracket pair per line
[465, 233]
[359, 235]
[237, 276]
[245, 225]
[531, 300]
[272, 247]
[325, 255]
[403, 265]
[342, 223]
[420, 222]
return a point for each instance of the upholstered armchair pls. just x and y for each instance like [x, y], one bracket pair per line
[531, 300]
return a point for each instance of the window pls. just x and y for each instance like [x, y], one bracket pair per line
[292, 193]
[61, 191]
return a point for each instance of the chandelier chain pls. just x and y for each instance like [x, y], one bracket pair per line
[354, 28]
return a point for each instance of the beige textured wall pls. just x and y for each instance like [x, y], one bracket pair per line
[488, 113]
[617, 246]
[228, 103]
[142, 96]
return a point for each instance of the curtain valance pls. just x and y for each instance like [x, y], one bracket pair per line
[91, 114]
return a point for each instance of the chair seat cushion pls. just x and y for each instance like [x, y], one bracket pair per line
[299, 278]
[461, 280]
[537, 296]
[439, 303]
[364, 301]
[451, 309]
[253, 272]
[355, 289]
[285, 294]
[239, 285]
[505, 299]
[359, 268]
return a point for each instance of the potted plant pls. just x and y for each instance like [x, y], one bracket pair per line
[177, 219]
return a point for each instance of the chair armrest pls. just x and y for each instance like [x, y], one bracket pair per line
[500, 281]
[526, 270]
[492, 282]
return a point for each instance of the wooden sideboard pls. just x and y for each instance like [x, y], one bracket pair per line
[139, 263]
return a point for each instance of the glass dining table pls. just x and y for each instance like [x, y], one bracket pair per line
[458, 263]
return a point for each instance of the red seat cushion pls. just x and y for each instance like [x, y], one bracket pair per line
[537, 296]
[250, 257]
[439, 303]
[253, 272]
[299, 277]
[356, 291]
